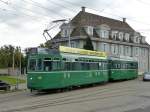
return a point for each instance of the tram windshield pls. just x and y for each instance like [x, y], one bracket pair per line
[32, 64]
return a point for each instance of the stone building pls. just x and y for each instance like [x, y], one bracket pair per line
[115, 37]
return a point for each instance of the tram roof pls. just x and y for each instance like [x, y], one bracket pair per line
[82, 51]
[123, 58]
[68, 50]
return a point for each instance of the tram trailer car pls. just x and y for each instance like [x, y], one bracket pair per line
[121, 69]
[50, 69]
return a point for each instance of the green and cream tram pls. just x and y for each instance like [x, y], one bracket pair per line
[68, 67]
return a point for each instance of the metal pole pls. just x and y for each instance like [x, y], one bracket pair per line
[69, 33]
[19, 69]
[20, 61]
[17, 82]
[13, 64]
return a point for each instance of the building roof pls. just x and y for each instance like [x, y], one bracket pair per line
[88, 19]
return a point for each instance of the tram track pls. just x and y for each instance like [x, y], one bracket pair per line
[98, 95]
[68, 101]
[100, 90]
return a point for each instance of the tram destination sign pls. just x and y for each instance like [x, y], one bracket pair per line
[82, 51]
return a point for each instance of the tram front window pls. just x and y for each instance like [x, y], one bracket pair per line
[32, 64]
[47, 65]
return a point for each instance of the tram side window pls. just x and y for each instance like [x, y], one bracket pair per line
[100, 65]
[118, 66]
[67, 66]
[56, 65]
[103, 65]
[76, 66]
[134, 65]
[39, 65]
[84, 66]
[113, 66]
[47, 65]
[32, 64]
[94, 66]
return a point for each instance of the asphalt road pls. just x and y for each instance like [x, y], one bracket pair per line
[127, 96]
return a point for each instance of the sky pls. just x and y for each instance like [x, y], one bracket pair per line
[22, 22]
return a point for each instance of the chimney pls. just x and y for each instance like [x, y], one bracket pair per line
[124, 20]
[83, 8]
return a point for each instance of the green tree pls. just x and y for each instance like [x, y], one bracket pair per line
[88, 45]
[6, 56]
[47, 44]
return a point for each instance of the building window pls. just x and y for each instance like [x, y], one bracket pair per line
[65, 33]
[104, 33]
[137, 40]
[143, 39]
[144, 51]
[114, 49]
[73, 44]
[136, 51]
[120, 35]
[89, 30]
[127, 50]
[104, 47]
[121, 49]
[127, 36]
[114, 34]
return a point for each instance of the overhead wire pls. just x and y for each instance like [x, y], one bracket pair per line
[23, 14]
[79, 4]
[73, 4]
[100, 11]
[33, 12]
[70, 9]
[43, 7]
[146, 3]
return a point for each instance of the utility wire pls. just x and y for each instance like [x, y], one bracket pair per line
[51, 1]
[146, 3]
[78, 4]
[10, 11]
[15, 14]
[7, 3]
[29, 10]
[43, 7]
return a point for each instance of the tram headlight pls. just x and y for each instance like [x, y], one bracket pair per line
[31, 78]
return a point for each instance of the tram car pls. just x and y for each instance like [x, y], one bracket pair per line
[122, 69]
[69, 67]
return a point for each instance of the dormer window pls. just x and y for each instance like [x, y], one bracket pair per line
[121, 36]
[66, 30]
[65, 33]
[114, 35]
[137, 39]
[104, 34]
[143, 39]
[127, 37]
[103, 31]
[89, 30]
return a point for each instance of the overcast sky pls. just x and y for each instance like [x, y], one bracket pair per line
[22, 21]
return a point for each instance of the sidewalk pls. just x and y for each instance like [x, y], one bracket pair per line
[21, 86]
